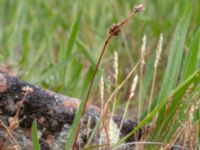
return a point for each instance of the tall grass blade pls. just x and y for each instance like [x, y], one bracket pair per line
[86, 53]
[177, 94]
[35, 140]
[175, 55]
[174, 60]
[191, 59]
[71, 42]
[73, 34]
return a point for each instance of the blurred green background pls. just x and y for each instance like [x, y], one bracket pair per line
[56, 44]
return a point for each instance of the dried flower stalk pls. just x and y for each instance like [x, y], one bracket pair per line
[158, 56]
[114, 31]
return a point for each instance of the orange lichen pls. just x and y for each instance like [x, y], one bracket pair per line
[3, 83]
[49, 139]
[71, 103]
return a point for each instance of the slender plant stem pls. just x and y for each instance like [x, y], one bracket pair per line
[114, 31]
[114, 104]
[143, 49]
[152, 89]
[112, 96]
[119, 87]
[124, 115]
[90, 86]
[140, 95]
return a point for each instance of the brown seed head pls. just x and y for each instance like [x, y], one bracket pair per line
[138, 8]
[115, 29]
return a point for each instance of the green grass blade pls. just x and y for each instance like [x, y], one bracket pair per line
[36, 145]
[177, 94]
[51, 70]
[175, 55]
[74, 73]
[86, 80]
[86, 53]
[78, 116]
[191, 59]
[73, 34]
[71, 41]
[147, 82]
[26, 48]
[174, 64]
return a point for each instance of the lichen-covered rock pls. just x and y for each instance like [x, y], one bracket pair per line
[21, 103]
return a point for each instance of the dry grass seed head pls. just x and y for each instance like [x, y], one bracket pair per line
[101, 86]
[138, 8]
[133, 87]
[131, 95]
[115, 29]
[116, 71]
[143, 49]
[158, 51]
